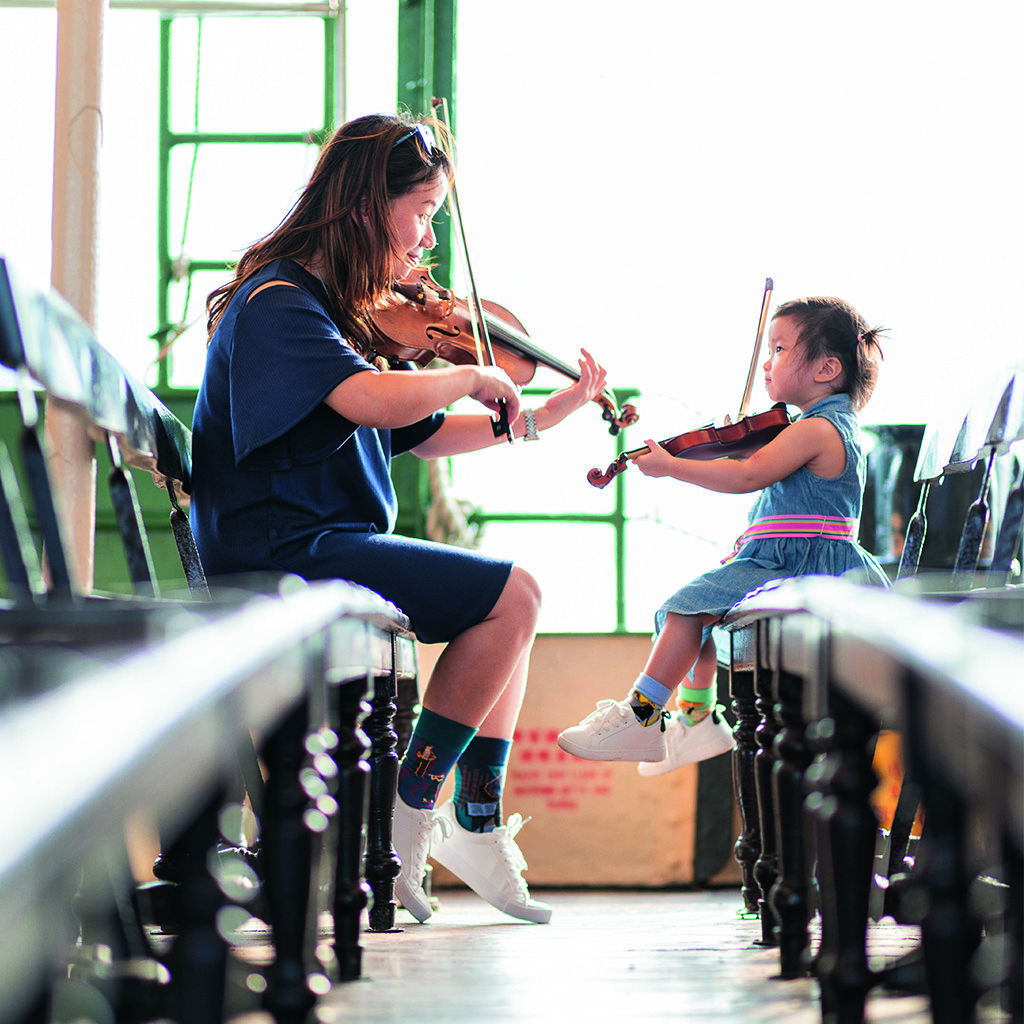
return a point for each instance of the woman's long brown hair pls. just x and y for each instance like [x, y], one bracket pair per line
[342, 220]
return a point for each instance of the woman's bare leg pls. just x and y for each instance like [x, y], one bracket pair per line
[502, 718]
[481, 674]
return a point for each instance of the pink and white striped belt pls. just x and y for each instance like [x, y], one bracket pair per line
[832, 527]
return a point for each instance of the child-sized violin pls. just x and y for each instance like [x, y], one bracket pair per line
[731, 441]
[735, 440]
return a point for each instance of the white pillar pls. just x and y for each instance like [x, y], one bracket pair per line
[77, 139]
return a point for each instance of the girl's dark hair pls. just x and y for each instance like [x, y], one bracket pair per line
[832, 327]
[342, 219]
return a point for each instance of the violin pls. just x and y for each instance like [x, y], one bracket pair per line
[426, 321]
[735, 440]
[418, 327]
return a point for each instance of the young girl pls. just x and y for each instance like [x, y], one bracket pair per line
[824, 360]
[295, 425]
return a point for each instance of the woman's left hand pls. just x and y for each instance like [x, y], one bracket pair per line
[586, 389]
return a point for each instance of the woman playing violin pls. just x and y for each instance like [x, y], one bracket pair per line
[823, 359]
[295, 426]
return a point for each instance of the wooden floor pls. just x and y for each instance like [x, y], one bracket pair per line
[620, 957]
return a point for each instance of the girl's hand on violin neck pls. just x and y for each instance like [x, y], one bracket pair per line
[562, 403]
[494, 386]
[657, 462]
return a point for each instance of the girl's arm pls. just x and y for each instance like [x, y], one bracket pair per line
[398, 398]
[814, 443]
[466, 433]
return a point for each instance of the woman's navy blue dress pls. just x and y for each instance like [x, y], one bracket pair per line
[283, 484]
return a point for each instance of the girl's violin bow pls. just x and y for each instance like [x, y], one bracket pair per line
[741, 438]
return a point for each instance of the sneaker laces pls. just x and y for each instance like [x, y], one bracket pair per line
[443, 825]
[608, 711]
[422, 839]
[515, 863]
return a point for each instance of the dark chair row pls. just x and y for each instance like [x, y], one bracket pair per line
[46, 344]
[790, 734]
[154, 731]
[841, 663]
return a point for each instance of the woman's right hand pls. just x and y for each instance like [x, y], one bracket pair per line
[495, 386]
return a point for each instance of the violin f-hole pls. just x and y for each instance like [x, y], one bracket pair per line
[437, 330]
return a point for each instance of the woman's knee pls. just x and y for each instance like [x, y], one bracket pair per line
[520, 600]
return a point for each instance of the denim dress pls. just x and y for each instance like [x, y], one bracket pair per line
[763, 560]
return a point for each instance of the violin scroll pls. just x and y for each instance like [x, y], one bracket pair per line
[598, 479]
[616, 420]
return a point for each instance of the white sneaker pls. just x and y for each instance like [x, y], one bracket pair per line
[412, 832]
[612, 733]
[490, 863]
[689, 743]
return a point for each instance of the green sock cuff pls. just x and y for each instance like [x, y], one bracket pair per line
[445, 732]
[704, 695]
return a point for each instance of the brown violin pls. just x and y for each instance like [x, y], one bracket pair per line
[734, 440]
[426, 321]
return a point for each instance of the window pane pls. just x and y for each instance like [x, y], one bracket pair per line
[223, 219]
[676, 542]
[574, 566]
[547, 476]
[260, 74]
[28, 42]
[187, 356]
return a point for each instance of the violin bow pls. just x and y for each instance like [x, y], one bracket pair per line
[768, 286]
[598, 479]
[481, 337]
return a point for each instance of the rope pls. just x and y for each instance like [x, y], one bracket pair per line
[447, 517]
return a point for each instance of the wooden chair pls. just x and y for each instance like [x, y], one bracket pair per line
[42, 339]
[779, 733]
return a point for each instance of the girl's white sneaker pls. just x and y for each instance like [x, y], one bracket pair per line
[612, 733]
[689, 743]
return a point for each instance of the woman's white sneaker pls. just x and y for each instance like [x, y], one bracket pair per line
[412, 833]
[612, 733]
[490, 863]
[690, 743]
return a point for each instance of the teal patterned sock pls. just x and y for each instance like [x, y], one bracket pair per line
[479, 779]
[436, 744]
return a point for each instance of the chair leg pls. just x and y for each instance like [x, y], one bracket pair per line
[789, 894]
[766, 868]
[382, 864]
[748, 844]
[287, 857]
[1013, 924]
[350, 892]
[198, 957]
[406, 701]
[846, 845]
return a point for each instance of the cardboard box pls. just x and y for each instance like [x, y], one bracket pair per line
[598, 823]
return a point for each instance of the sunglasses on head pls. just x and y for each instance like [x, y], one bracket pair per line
[425, 134]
